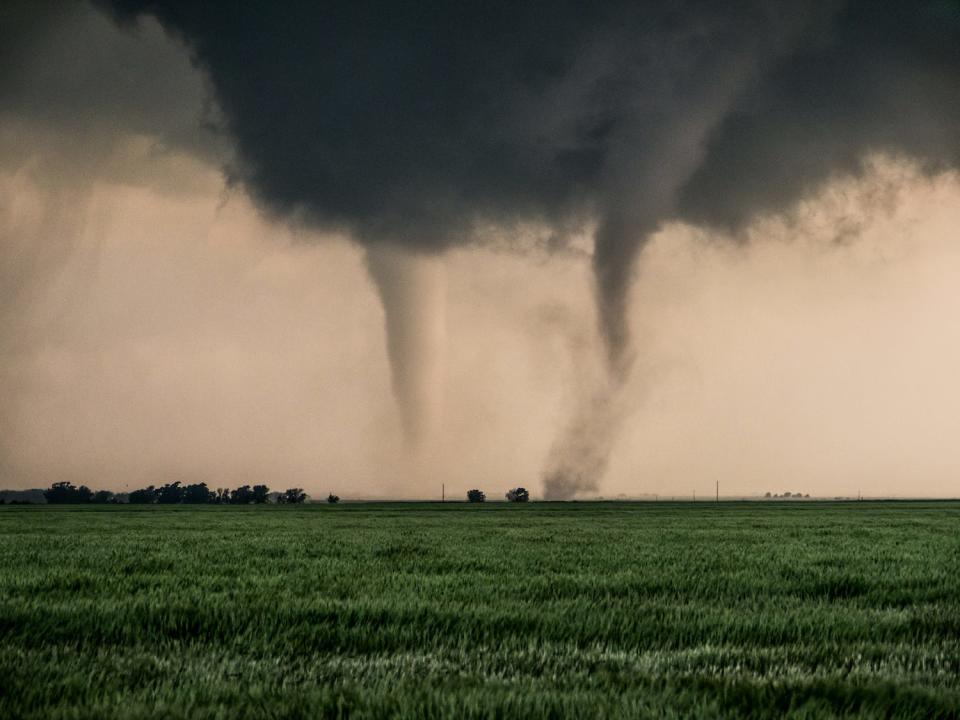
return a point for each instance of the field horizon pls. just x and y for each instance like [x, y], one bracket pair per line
[320, 499]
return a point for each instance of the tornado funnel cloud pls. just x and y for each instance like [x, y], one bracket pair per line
[412, 289]
[614, 257]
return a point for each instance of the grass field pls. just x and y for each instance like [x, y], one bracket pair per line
[545, 610]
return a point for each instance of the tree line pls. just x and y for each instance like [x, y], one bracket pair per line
[174, 493]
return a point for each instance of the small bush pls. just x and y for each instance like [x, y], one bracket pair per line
[333, 499]
[518, 495]
[476, 495]
[292, 496]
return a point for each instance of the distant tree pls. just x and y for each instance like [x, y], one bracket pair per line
[786, 494]
[260, 494]
[198, 494]
[60, 492]
[476, 495]
[170, 494]
[333, 499]
[767, 495]
[102, 497]
[222, 496]
[145, 496]
[243, 495]
[292, 496]
[68, 493]
[518, 495]
[807, 495]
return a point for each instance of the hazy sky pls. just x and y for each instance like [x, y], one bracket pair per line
[168, 314]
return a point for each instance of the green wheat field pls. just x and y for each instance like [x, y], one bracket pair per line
[764, 609]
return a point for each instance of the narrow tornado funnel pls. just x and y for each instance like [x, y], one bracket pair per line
[412, 288]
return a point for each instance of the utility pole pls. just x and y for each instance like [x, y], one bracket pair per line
[718, 491]
[443, 492]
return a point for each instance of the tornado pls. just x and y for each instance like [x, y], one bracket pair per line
[412, 288]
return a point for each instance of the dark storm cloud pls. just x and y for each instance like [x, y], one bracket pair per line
[402, 120]
[67, 73]
[882, 77]
[414, 121]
